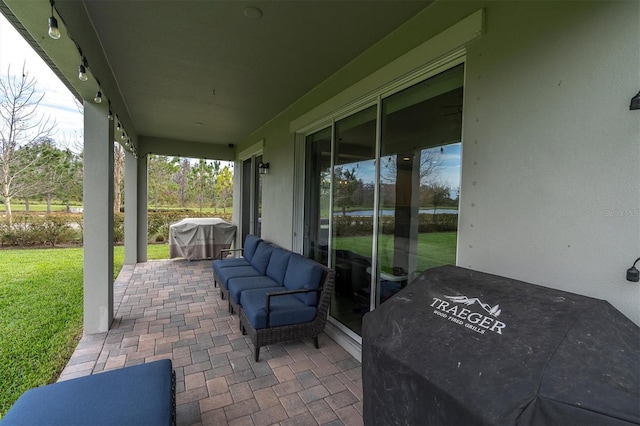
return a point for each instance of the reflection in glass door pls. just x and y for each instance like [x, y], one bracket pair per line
[418, 169]
[419, 180]
[352, 233]
[318, 187]
[251, 202]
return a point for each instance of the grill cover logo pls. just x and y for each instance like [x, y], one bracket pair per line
[455, 311]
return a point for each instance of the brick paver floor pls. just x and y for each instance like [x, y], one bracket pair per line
[170, 309]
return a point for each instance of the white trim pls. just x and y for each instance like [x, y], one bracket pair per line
[299, 180]
[253, 150]
[343, 339]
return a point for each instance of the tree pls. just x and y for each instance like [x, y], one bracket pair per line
[118, 174]
[201, 181]
[162, 188]
[346, 182]
[20, 126]
[71, 182]
[431, 160]
[181, 178]
[223, 187]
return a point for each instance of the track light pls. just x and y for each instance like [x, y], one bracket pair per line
[122, 136]
[98, 98]
[110, 115]
[82, 71]
[119, 126]
[54, 31]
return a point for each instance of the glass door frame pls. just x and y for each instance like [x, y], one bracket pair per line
[251, 154]
[374, 98]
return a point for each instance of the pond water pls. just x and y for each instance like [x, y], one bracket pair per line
[390, 212]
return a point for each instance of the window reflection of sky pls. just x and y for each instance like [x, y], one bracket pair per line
[449, 171]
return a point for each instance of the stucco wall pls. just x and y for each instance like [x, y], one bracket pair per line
[551, 164]
[551, 153]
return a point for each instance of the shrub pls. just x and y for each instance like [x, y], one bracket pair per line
[56, 229]
[159, 222]
[118, 228]
[350, 226]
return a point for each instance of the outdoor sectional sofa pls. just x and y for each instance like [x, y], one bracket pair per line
[279, 295]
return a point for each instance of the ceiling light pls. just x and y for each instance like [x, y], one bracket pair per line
[122, 136]
[119, 127]
[110, 115]
[54, 31]
[98, 98]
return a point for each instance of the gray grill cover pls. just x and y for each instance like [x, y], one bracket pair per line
[460, 347]
[200, 238]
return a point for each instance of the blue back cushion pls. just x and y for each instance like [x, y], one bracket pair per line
[250, 245]
[278, 264]
[303, 273]
[260, 259]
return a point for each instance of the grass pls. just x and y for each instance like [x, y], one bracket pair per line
[434, 249]
[41, 314]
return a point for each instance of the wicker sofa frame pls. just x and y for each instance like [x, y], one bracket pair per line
[312, 329]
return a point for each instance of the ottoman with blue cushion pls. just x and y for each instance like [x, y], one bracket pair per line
[139, 395]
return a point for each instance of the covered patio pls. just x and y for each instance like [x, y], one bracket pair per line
[539, 101]
[170, 310]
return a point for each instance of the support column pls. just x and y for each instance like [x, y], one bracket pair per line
[98, 219]
[142, 201]
[130, 209]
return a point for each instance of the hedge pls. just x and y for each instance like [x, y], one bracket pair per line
[54, 229]
[350, 226]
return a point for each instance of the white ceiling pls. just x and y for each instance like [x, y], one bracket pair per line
[203, 71]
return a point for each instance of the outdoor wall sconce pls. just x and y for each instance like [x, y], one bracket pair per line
[635, 102]
[263, 168]
[633, 274]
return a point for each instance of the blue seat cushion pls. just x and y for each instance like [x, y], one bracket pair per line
[303, 273]
[260, 259]
[230, 262]
[237, 285]
[225, 274]
[129, 396]
[278, 264]
[285, 310]
[226, 263]
[250, 245]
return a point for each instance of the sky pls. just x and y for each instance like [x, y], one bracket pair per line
[448, 173]
[58, 102]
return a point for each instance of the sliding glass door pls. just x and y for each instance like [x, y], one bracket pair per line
[352, 227]
[419, 180]
[381, 194]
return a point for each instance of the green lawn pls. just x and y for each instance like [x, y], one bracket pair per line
[41, 314]
[434, 249]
